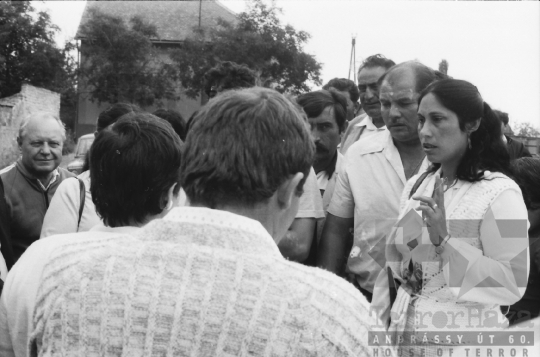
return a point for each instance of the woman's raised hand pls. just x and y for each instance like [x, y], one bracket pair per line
[433, 212]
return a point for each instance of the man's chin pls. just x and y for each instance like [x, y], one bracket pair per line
[404, 136]
[44, 168]
[374, 113]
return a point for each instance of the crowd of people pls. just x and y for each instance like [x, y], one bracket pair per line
[389, 218]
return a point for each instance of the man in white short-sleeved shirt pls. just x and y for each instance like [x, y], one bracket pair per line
[372, 177]
[297, 242]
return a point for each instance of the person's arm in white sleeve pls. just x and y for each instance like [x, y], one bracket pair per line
[498, 273]
[19, 298]
[63, 213]
[336, 238]
[297, 242]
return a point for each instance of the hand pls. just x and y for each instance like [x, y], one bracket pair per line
[433, 213]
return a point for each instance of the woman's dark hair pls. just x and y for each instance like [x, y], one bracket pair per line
[132, 166]
[527, 175]
[487, 151]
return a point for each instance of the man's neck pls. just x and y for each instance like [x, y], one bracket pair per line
[45, 179]
[326, 165]
[378, 122]
[411, 155]
[260, 213]
[412, 148]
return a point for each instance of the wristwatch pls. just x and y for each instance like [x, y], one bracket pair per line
[440, 248]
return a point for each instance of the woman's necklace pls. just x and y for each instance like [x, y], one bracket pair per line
[448, 186]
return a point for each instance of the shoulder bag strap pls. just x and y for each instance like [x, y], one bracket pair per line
[83, 197]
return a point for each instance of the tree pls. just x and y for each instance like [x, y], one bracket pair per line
[121, 64]
[28, 52]
[258, 40]
[526, 129]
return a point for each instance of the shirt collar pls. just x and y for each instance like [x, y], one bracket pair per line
[214, 228]
[368, 123]
[53, 179]
[100, 227]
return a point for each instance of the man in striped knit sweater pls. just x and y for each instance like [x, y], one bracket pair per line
[207, 280]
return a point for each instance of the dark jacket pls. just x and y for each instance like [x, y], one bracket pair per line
[516, 149]
[529, 306]
[27, 203]
[5, 233]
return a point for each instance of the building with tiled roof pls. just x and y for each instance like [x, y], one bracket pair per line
[174, 21]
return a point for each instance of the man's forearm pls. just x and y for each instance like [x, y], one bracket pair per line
[297, 241]
[335, 245]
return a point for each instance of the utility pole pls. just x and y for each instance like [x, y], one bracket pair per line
[352, 63]
[200, 12]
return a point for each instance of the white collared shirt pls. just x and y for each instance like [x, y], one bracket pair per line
[53, 179]
[360, 127]
[368, 189]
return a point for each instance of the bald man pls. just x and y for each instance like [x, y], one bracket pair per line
[31, 182]
[371, 179]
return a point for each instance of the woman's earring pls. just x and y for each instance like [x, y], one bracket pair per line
[469, 139]
[169, 205]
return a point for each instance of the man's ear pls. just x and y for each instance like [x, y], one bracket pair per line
[169, 200]
[472, 126]
[287, 190]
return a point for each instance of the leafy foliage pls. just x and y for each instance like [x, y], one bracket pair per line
[526, 129]
[258, 40]
[121, 64]
[28, 52]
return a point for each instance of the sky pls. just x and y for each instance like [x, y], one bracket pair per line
[494, 45]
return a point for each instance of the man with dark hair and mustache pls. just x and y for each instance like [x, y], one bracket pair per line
[327, 115]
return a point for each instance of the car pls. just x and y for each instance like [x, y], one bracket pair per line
[83, 145]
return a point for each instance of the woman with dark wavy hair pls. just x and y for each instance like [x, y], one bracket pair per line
[471, 257]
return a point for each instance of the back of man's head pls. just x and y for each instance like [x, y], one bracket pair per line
[243, 146]
[228, 75]
[132, 166]
[503, 117]
[314, 103]
[113, 113]
[175, 119]
[344, 85]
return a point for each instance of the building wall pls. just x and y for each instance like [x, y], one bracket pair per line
[532, 144]
[13, 109]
